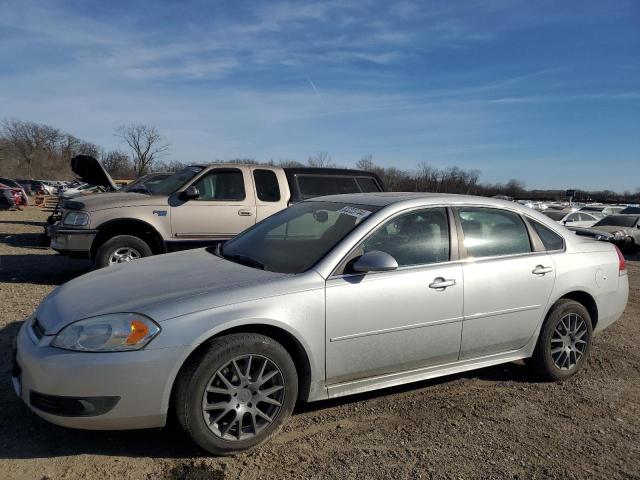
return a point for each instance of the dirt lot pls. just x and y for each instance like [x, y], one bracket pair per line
[493, 423]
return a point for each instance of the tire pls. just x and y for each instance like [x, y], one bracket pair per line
[220, 433]
[135, 247]
[553, 364]
[628, 246]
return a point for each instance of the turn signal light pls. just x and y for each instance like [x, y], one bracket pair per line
[138, 331]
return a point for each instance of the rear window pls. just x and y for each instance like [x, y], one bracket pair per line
[617, 221]
[267, 186]
[550, 239]
[320, 185]
[491, 232]
[367, 184]
[631, 210]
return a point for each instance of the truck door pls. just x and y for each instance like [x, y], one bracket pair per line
[226, 206]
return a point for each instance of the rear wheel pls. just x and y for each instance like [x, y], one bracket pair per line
[628, 246]
[237, 394]
[564, 342]
[121, 249]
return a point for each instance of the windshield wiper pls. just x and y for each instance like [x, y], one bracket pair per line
[244, 260]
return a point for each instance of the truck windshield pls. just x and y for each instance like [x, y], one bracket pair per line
[295, 239]
[175, 181]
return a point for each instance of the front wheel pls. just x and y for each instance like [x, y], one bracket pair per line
[237, 394]
[564, 342]
[121, 249]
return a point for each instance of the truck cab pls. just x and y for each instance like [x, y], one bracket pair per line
[197, 206]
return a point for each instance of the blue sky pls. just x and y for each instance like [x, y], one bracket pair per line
[544, 91]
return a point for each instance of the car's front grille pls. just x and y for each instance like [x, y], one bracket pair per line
[38, 329]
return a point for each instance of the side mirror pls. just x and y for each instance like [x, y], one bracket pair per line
[564, 222]
[191, 193]
[375, 261]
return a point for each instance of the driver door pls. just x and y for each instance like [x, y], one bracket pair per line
[224, 208]
[385, 322]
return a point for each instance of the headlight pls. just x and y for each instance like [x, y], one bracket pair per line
[619, 235]
[78, 219]
[115, 332]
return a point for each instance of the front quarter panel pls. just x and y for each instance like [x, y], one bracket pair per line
[301, 314]
[158, 216]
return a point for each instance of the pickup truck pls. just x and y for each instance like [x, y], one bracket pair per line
[197, 206]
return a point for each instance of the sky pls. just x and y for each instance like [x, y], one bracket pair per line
[547, 92]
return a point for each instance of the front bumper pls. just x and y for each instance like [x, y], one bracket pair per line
[70, 241]
[110, 391]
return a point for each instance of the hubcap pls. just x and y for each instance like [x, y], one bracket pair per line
[243, 397]
[123, 255]
[567, 342]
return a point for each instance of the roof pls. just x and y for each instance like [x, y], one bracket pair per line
[382, 199]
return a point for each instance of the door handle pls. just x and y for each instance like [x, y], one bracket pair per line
[541, 270]
[245, 213]
[442, 283]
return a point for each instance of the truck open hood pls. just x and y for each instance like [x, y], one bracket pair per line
[89, 170]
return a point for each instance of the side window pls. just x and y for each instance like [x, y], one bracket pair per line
[267, 186]
[550, 239]
[489, 232]
[574, 217]
[367, 184]
[415, 238]
[221, 184]
[320, 185]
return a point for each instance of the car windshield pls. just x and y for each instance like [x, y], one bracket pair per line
[617, 221]
[175, 181]
[632, 210]
[295, 239]
[144, 184]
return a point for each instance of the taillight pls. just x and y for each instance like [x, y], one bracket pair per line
[622, 265]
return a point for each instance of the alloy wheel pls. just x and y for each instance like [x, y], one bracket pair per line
[243, 397]
[124, 255]
[568, 344]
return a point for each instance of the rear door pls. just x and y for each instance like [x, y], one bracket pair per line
[226, 206]
[507, 283]
[271, 191]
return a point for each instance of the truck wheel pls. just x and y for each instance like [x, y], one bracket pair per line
[121, 249]
[237, 394]
[564, 342]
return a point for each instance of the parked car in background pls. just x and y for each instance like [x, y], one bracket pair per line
[630, 210]
[24, 198]
[199, 205]
[603, 209]
[7, 200]
[580, 218]
[623, 230]
[330, 297]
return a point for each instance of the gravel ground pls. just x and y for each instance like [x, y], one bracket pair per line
[492, 423]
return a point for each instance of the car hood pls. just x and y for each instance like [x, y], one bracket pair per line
[161, 287]
[102, 201]
[89, 170]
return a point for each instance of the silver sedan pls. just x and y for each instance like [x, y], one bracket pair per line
[330, 297]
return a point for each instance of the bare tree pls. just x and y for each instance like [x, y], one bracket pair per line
[321, 160]
[29, 141]
[146, 143]
[118, 164]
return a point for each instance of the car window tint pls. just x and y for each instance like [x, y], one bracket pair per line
[221, 185]
[320, 185]
[415, 238]
[489, 232]
[367, 184]
[267, 186]
[550, 239]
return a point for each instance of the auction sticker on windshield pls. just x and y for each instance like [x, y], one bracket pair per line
[354, 212]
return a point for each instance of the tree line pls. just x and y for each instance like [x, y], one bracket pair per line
[32, 150]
